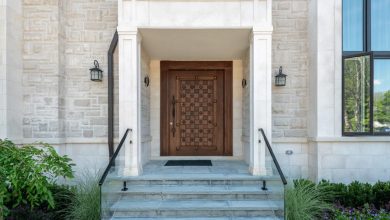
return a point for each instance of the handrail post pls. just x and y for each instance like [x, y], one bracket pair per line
[273, 157]
[112, 159]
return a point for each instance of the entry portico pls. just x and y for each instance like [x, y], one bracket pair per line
[203, 31]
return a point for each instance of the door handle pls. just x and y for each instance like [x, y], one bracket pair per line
[172, 123]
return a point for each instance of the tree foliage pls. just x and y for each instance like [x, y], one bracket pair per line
[382, 108]
[357, 94]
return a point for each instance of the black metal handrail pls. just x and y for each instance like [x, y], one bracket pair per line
[112, 159]
[273, 157]
[110, 87]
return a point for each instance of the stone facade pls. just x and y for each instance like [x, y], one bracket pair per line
[46, 94]
[61, 40]
[290, 48]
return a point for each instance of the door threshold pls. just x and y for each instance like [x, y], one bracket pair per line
[196, 158]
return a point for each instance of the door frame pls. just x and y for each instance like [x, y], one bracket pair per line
[227, 67]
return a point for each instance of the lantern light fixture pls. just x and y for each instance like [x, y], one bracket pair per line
[96, 72]
[146, 81]
[243, 83]
[280, 78]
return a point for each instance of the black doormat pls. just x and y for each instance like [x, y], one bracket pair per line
[189, 163]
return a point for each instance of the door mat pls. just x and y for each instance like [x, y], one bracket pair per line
[189, 163]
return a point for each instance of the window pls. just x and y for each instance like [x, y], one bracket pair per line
[366, 67]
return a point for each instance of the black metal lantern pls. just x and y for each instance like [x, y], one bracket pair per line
[243, 83]
[280, 78]
[146, 81]
[96, 72]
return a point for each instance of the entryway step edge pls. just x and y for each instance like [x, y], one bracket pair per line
[195, 177]
[197, 189]
[195, 205]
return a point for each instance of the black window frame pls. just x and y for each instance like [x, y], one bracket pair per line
[373, 56]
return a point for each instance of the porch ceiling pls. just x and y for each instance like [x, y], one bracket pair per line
[195, 44]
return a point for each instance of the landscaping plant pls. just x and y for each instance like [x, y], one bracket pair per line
[307, 201]
[28, 174]
[366, 213]
[86, 201]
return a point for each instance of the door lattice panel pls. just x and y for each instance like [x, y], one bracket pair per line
[197, 111]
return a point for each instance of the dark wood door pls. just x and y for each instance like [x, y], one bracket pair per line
[196, 108]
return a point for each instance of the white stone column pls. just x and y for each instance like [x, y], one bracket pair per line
[260, 96]
[130, 98]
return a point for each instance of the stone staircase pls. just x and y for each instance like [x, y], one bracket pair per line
[193, 196]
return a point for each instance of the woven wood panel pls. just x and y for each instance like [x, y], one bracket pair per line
[197, 111]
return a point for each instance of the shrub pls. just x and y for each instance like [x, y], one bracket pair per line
[27, 173]
[338, 191]
[381, 193]
[63, 196]
[306, 201]
[358, 194]
[86, 202]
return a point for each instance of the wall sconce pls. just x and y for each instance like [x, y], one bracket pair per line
[280, 78]
[96, 72]
[243, 83]
[147, 81]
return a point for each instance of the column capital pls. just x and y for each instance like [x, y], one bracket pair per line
[127, 30]
[264, 30]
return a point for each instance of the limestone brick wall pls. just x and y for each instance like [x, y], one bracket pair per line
[41, 73]
[61, 41]
[295, 165]
[362, 159]
[246, 106]
[145, 109]
[155, 98]
[290, 50]
[237, 108]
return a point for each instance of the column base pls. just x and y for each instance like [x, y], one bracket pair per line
[257, 171]
[132, 171]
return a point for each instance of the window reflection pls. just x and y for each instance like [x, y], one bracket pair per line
[382, 95]
[357, 94]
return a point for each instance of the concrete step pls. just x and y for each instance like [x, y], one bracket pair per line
[201, 192]
[196, 208]
[196, 179]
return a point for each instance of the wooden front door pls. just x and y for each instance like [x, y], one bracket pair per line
[196, 108]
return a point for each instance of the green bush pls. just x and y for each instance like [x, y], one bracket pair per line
[358, 194]
[306, 201]
[381, 193]
[27, 174]
[86, 202]
[63, 196]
